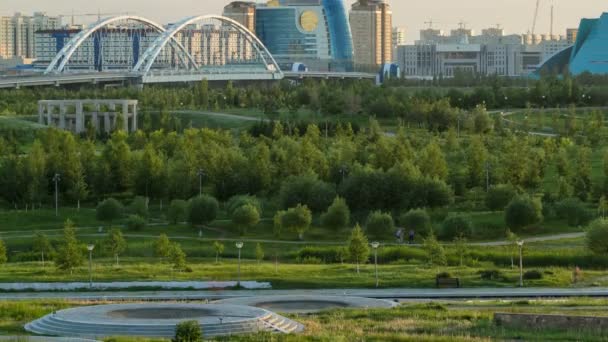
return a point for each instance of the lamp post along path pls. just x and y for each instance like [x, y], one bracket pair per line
[239, 246]
[521, 262]
[375, 246]
[90, 249]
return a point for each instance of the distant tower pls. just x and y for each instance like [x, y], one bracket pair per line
[372, 29]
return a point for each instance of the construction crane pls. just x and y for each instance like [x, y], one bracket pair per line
[98, 15]
[535, 17]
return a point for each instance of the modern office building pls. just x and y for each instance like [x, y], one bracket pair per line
[588, 54]
[399, 38]
[18, 33]
[371, 25]
[243, 12]
[315, 33]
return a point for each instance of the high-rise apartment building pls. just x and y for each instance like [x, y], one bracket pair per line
[243, 12]
[18, 33]
[571, 35]
[371, 25]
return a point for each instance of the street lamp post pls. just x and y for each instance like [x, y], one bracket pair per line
[56, 179]
[520, 244]
[239, 246]
[201, 174]
[90, 248]
[375, 246]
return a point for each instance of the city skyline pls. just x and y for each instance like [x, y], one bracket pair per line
[515, 16]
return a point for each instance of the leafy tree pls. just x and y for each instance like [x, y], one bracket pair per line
[358, 247]
[259, 252]
[477, 157]
[417, 220]
[177, 257]
[35, 166]
[136, 223]
[189, 331]
[178, 211]
[434, 251]
[307, 190]
[139, 207]
[432, 162]
[115, 243]
[109, 211]
[42, 246]
[219, 250]
[3, 258]
[380, 224]
[573, 211]
[162, 247]
[523, 211]
[482, 122]
[337, 215]
[512, 246]
[499, 196]
[461, 248]
[236, 202]
[203, 210]
[70, 253]
[456, 226]
[297, 219]
[597, 237]
[245, 217]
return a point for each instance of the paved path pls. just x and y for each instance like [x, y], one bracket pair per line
[468, 293]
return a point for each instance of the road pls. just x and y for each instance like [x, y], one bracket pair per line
[405, 293]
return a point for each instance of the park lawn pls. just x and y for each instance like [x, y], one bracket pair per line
[288, 275]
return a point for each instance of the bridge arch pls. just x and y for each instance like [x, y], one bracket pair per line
[148, 59]
[62, 58]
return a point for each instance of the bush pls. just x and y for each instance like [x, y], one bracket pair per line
[456, 226]
[189, 331]
[307, 190]
[533, 275]
[245, 217]
[203, 209]
[139, 207]
[136, 223]
[236, 202]
[178, 211]
[380, 224]
[573, 211]
[337, 216]
[523, 211]
[491, 275]
[417, 220]
[109, 211]
[499, 197]
[326, 254]
[443, 275]
[597, 237]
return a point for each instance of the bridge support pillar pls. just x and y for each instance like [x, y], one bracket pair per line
[62, 116]
[79, 118]
[107, 124]
[125, 116]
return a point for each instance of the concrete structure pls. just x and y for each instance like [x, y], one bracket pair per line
[242, 12]
[159, 320]
[76, 115]
[308, 303]
[313, 32]
[17, 33]
[371, 22]
[588, 54]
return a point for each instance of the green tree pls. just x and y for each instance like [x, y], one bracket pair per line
[512, 246]
[178, 211]
[189, 331]
[3, 258]
[358, 246]
[245, 217]
[380, 224]
[109, 211]
[499, 197]
[70, 253]
[297, 219]
[42, 246]
[597, 237]
[177, 257]
[203, 210]
[337, 216]
[573, 211]
[35, 169]
[259, 252]
[417, 220]
[136, 223]
[477, 157]
[162, 247]
[461, 248]
[219, 250]
[115, 243]
[432, 162]
[139, 207]
[236, 202]
[456, 226]
[434, 251]
[523, 211]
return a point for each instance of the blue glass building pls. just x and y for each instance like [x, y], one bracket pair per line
[315, 33]
[588, 54]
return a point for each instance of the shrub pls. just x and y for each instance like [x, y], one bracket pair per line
[139, 207]
[178, 211]
[189, 331]
[136, 223]
[533, 275]
[573, 211]
[597, 237]
[109, 211]
[337, 215]
[307, 190]
[203, 209]
[443, 275]
[417, 220]
[523, 211]
[245, 217]
[491, 275]
[236, 202]
[499, 197]
[380, 224]
[456, 226]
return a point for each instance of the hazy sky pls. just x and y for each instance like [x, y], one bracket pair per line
[513, 15]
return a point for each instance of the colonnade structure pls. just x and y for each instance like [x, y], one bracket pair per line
[77, 115]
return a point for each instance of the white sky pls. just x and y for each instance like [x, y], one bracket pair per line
[513, 15]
